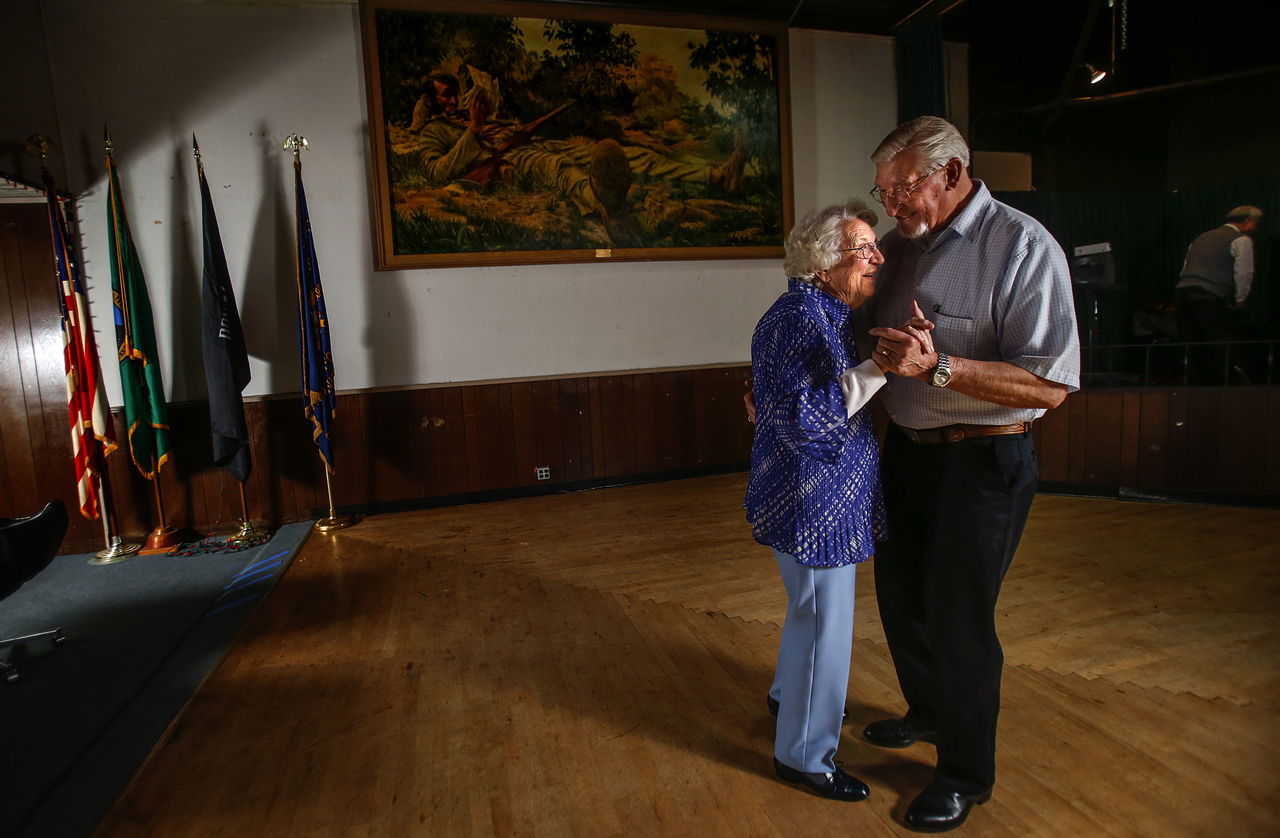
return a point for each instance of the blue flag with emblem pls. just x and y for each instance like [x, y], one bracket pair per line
[314, 351]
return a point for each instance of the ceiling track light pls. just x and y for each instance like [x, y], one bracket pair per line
[1095, 75]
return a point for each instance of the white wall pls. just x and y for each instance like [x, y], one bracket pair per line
[843, 102]
[242, 76]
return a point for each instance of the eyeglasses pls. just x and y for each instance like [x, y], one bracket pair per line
[864, 251]
[901, 194]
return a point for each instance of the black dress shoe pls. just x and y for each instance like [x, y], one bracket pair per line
[939, 809]
[773, 706]
[835, 785]
[899, 733]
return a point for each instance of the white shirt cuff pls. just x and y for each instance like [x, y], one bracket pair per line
[859, 384]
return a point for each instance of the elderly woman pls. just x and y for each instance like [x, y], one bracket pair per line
[814, 491]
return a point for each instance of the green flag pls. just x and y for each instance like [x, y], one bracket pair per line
[143, 390]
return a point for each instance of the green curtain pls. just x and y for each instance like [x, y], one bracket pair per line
[922, 79]
[1149, 234]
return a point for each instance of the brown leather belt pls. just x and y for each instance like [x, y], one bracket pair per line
[957, 433]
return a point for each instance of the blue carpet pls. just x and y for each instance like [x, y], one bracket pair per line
[142, 634]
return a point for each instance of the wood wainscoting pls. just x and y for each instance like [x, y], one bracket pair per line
[1197, 443]
[405, 447]
[439, 444]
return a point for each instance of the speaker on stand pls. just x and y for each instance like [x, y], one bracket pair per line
[1093, 275]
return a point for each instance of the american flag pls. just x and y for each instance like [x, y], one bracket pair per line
[92, 434]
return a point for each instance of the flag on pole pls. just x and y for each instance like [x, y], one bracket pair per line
[315, 353]
[92, 434]
[146, 415]
[226, 363]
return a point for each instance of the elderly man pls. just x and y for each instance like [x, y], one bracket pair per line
[990, 289]
[1213, 285]
[1216, 276]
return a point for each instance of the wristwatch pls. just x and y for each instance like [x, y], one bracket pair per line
[941, 376]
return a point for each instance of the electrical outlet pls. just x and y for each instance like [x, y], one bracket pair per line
[542, 472]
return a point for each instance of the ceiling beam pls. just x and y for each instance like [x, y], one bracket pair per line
[931, 9]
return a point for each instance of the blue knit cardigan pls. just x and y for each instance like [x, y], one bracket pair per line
[814, 490]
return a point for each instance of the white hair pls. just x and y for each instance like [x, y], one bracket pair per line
[932, 140]
[813, 245]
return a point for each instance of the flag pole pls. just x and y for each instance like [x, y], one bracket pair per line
[247, 531]
[116, 549]
[163, 537]
[95, 457]
[296, 144]
[226, 360]
[143, 392]
[334, 521]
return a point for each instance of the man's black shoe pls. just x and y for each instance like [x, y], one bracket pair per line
[835, 785]
[938, 809]
[899, 733]
[773, 706]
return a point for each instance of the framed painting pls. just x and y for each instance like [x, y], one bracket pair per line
[519, 133]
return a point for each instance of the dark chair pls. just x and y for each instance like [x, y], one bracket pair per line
[27, 545]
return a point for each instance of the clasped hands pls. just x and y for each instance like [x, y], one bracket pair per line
[908, 350]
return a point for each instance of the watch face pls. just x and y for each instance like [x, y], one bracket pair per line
[942, 375]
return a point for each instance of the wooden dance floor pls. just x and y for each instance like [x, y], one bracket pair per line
[596, 664]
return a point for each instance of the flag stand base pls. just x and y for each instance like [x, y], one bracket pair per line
[340, 523]
[118, 551]
[160, 540]
[247, 533]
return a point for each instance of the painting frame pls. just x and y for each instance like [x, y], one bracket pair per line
[669, 199]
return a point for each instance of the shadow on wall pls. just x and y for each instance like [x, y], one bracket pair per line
[268, 309]
[186, 272]
[390, 340]
[158, 71]
[206, 57]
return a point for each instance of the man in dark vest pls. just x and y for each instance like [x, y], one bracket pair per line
[1216, 277]
[1214, 284]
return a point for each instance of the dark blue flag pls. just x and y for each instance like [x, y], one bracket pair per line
[315, 353]
[226, 363]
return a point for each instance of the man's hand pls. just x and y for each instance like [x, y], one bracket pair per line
[479, 115]
[749, 399]
[907, 351]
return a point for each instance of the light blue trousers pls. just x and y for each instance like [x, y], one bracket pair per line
[812, 675]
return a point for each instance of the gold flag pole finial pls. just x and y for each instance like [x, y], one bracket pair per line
[106, 139]
[195, 152]
[39, 144]
[297, 144]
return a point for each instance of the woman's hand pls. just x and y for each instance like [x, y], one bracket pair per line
[907, 351]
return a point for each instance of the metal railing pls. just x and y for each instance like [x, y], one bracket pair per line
[1186, 364]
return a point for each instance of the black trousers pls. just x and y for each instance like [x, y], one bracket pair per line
[1204, 316]
[955, 514]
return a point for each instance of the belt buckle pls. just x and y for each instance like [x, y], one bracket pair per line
[952, 434]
